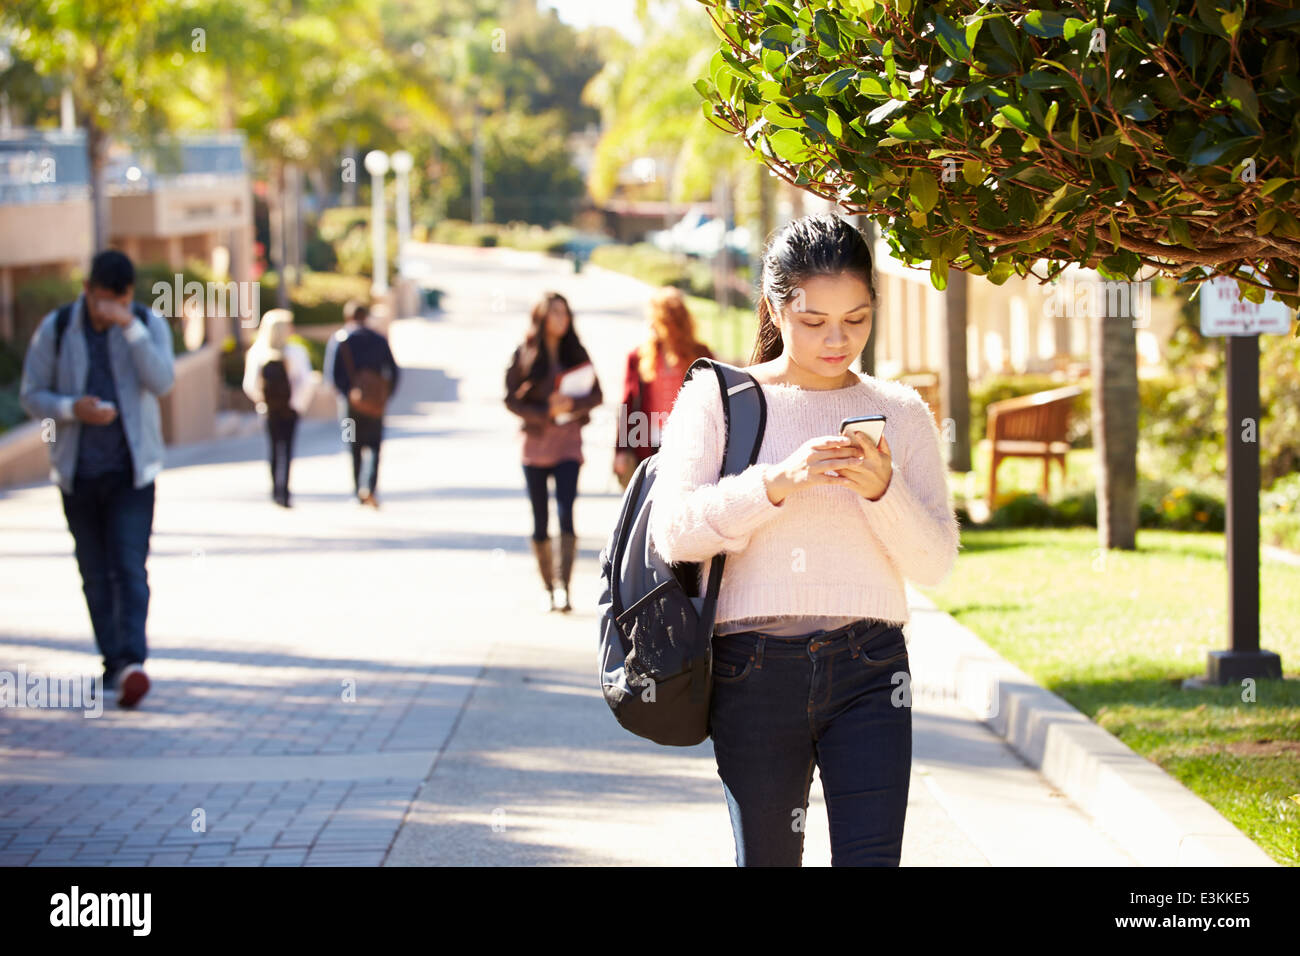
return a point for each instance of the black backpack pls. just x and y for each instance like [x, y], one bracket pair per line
[276, 390]
[656, 629]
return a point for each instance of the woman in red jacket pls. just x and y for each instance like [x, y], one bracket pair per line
[655, 371]
[551, 429]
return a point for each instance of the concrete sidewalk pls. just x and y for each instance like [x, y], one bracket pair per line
[338, 686]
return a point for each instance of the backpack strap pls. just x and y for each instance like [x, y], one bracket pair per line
[744, 416]
[61, 320]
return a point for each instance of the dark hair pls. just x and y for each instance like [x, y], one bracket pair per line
[113, 271]
[819, 245]
[537, 359]
[354, 311]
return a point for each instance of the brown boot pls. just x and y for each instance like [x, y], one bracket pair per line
[568, 550]
[546, 564]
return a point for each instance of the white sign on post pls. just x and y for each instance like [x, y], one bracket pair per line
[1224, 312]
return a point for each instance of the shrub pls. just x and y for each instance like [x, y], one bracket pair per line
[320, 255]
[319, 299]
[336, 223]
[1184, 509]
[651, 264]
[1281, 530]
[36, 298]
[1024, 510]
[354, 255]
[11, 363]
[232, 364]
[1178, 509]
[11, 410]
[1283, 497]
[1078, 509]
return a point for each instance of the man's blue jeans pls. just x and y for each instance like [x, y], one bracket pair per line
[111, 521]
[831, 699]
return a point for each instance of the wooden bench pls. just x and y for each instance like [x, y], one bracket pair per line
[927, 383]
[1031, 426]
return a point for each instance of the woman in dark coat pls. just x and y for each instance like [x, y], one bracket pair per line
[551, 430]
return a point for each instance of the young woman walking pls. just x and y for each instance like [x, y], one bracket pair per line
[810, 664]
[655, 370]
[551, 430]
[277, 377]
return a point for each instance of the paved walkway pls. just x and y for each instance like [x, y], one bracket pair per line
[340, 686]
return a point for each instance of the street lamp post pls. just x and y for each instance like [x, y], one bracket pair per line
[402, 163]
[377, 166]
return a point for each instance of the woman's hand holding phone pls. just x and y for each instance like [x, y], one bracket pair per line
[808, 465]
[874, 470]
[849, 462]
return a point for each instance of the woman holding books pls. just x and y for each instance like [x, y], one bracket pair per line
[552, 386]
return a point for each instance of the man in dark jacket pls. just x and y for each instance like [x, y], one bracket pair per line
[364, 349]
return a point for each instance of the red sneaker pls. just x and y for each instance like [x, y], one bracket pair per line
[133, 683]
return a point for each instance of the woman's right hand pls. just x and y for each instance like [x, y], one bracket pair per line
[808, 466]
[559, 403]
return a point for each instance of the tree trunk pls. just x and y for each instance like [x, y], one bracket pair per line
[1115, 427]
[293, 222]
[275, 212]
[476, 171]
[349, 192]
[954, 388]
[97, 155]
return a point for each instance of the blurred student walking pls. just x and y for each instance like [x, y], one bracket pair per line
[820, 533]
[94, 370]
[367, 374]
[277, 377]
[353, 313]
[551, 430]
[655, 370]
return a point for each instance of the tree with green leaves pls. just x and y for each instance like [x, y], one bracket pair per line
[106, 53]
[1131, 137]
[643, 115]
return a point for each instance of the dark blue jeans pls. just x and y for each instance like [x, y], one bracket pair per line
[782, 705]
[111, 521]
[566, 491]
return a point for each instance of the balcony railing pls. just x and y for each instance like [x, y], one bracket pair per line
[47, 166]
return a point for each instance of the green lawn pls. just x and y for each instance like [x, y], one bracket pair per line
[1114, 633]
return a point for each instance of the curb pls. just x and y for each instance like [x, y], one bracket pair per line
[1153, 816]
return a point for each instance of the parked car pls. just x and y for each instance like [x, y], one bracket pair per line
[699, 234]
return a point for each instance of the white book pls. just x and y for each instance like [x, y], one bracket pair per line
[576, 382]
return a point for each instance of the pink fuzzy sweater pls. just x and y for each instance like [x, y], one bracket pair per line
[825, 550]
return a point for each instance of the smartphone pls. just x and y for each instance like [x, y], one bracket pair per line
[873, 426]
[101, 403]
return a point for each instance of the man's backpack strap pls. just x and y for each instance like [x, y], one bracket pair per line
[61, 321]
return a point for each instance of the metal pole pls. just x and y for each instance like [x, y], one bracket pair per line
[377, 166]
[1243, 493]
[379, 234]
[1244, 660]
